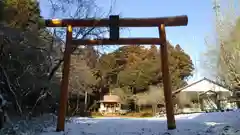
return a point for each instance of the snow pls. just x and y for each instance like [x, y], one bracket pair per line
[218, 123]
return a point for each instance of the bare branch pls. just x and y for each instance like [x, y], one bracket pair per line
[10, 89]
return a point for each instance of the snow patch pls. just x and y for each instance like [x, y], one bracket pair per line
[219, 123]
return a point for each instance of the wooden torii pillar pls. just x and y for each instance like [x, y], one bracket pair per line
[114, 23]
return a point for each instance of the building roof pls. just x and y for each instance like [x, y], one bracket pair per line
[203, 85]
[110, 98]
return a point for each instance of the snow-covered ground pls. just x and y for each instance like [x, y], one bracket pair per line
[219, 123]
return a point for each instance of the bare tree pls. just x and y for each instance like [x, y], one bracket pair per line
[81, 79]
[81, 76]
[153, 96]
[222, 56]
[77, 9]
[124, 94]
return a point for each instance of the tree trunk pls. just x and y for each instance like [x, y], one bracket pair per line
[238, 105]
[85, 101]
[1, 119]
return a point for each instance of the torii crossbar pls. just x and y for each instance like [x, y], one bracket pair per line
[114, 23]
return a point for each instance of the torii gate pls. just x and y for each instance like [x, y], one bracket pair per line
[114, 23]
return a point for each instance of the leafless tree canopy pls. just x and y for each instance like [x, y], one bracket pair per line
[222, 56]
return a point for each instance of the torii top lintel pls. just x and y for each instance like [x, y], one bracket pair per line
[122, 22]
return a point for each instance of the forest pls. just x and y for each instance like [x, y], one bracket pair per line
[31, 61]
[32, 57]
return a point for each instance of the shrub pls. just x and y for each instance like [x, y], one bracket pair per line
[96, 114]
[146, 114]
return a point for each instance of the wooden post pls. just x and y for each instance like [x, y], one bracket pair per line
[114, 28]
[166, 79]
[65, 81]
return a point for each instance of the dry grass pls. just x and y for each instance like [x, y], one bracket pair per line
[128, 115]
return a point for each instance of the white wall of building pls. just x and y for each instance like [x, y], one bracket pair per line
[204, 86]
